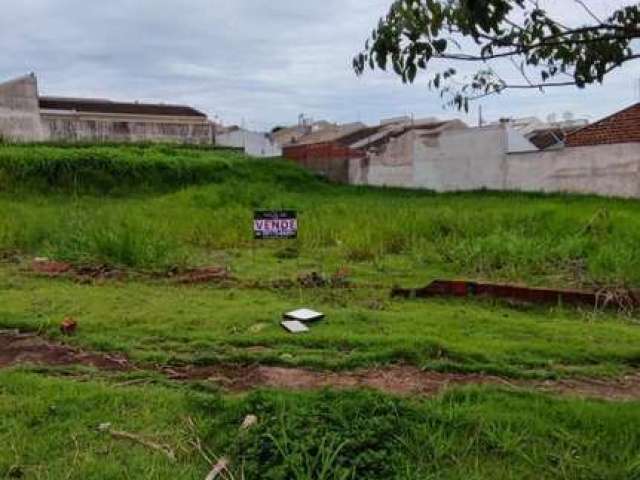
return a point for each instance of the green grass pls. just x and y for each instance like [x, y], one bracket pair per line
[157, 322]
[154, 207]
[381, 237]
[110, 168]
[172, 205]
[48, 429]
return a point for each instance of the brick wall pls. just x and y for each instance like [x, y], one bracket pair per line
[327, 159]
[621, 127]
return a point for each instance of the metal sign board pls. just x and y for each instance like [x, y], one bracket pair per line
[269, 224]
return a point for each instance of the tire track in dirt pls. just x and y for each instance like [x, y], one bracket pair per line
[17, 349]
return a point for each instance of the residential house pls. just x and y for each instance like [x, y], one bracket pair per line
[621, 127]
[27, 116]
[602, 158]
[254, 144]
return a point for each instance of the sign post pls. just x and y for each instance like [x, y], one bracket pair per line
[275, 224]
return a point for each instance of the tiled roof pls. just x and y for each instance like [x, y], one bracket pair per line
[331, 133]
[621, 127]
[549, 137]
[107, 106]
[386, 132]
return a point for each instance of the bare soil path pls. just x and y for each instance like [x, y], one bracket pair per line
[18, 348]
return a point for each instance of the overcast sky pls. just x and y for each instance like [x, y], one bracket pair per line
[261, 62]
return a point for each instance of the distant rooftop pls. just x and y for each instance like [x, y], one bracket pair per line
[99, 105]
[621, 127]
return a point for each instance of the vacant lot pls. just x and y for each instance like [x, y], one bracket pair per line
[132, 223]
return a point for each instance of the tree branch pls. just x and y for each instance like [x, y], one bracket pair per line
[416, 33]
[530, 85]
[521, 70]
[588, 10]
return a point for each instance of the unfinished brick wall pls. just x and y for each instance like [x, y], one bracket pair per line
[327, 159]
[621, 127]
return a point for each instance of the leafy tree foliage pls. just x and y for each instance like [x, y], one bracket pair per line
[416, 34]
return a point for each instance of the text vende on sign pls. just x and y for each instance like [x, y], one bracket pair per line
[271, 224]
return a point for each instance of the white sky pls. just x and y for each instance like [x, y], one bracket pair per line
[258, 61]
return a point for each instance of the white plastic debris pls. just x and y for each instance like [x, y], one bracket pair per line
[295, 326]
[249, 421]
[104, 427]
[218, 469]
[304, 315]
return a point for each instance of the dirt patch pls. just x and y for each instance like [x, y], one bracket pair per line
[97, 273]
[220, 276]
[203, 275]
[50, 268]
[394, 379]
[81, 273]
[92, 273]
[310, 280]
[16, 348]
[398, 379]
[622, 388]
[340, 279]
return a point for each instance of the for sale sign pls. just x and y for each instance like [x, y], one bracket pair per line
[275, 224]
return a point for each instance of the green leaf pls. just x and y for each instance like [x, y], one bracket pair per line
[411, 72]
[439, 45]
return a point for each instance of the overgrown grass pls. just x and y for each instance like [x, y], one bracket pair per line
[119, 169]
[199, 202]
[153, 207]
[49, 429]
[380, 237]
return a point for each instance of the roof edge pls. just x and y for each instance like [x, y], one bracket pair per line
[603, 119]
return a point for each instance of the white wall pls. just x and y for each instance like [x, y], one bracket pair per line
[518, 143]
[610, 170]
[94, 127]
[466, 159]
[255, 144]
[391, 164]
[477, 158]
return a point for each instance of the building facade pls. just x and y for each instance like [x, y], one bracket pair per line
[26, 116]
[602, 158]
[254, 144]
[19, 111]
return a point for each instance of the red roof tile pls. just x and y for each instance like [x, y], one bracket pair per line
[621, 127]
